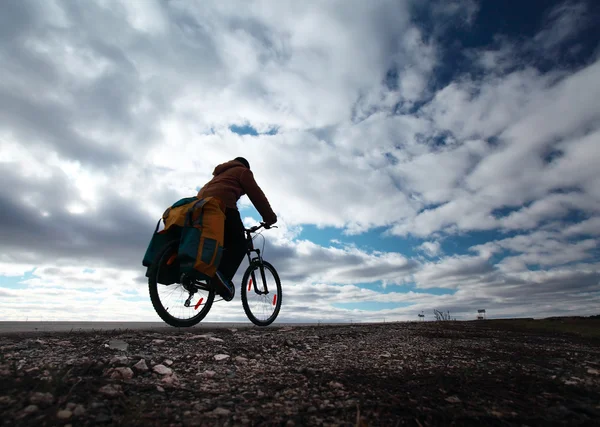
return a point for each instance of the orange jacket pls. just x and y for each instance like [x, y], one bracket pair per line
[231, 180]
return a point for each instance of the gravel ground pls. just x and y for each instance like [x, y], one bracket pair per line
[428, 373]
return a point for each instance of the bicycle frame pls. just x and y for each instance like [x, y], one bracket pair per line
[255, 260]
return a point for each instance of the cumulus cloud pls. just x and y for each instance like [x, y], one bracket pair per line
[111, 112]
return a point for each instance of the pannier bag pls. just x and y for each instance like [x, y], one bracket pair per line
[199, 226]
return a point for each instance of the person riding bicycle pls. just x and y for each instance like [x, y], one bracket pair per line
[231, 180]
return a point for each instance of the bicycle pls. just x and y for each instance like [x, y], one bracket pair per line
[193, 295]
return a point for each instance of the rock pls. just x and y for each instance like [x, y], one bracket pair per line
[312, 409]
[209, 374]
[79, 410]
[41, 399]
[453, 399]
[118, 345]
[141, 366]
[335, 384]
[221, 411]
[216, 339]
[158, 341]
[124, 373]
[385, 354]
[168, 362]
[64, 414]
[593, 371]
[159, 388]
[240, 359]
[119, 360]
[170, 379]
[221, 356]
[199, 337]
[162, 370]
[71, 406]
[110, 390]
[31, 409]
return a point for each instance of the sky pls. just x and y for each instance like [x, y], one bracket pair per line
[419, 155]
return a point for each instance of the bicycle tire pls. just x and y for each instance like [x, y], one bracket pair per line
[153, 285]
[244, 296]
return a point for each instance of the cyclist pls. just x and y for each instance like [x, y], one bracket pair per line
[231, 180]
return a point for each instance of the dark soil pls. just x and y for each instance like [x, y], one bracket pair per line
[429, 373]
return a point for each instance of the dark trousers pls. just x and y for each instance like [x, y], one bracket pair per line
[235, 243]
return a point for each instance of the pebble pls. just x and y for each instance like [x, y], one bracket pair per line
[158, 341]
[141, 366]
[221, 411]
[162, 370]
[209, 374]
[159, 388]
[125, 373]
[241, 359]
[593, 371]
[64, 414]
[38, 398]
[453, 399]
[31, 409]
[168, 362]
[79, 410]
[216, 339]
[221, 356]
[198, 337]
[118, 345]
[110, 390]
[170, 379]
[119, 360]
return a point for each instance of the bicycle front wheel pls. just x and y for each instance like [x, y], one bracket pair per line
[261, 293]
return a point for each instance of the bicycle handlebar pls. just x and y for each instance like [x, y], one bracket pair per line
[258, 227]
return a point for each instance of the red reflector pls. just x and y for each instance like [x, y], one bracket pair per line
[172, 259]
[198, 303]
[250, 284]
[274, 299]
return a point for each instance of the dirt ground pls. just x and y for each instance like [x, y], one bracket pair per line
[420, 374]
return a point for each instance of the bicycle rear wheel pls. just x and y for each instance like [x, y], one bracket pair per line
[179, 305]
[261, 293]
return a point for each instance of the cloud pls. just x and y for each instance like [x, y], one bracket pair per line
[431, 248]
[111, 112]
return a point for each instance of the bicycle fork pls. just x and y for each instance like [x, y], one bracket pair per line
[258, 260]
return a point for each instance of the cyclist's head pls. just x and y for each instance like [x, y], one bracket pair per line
[243, 161]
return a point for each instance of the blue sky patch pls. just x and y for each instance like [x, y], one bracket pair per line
[249, 130]
[372, 240]
[14, 282]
